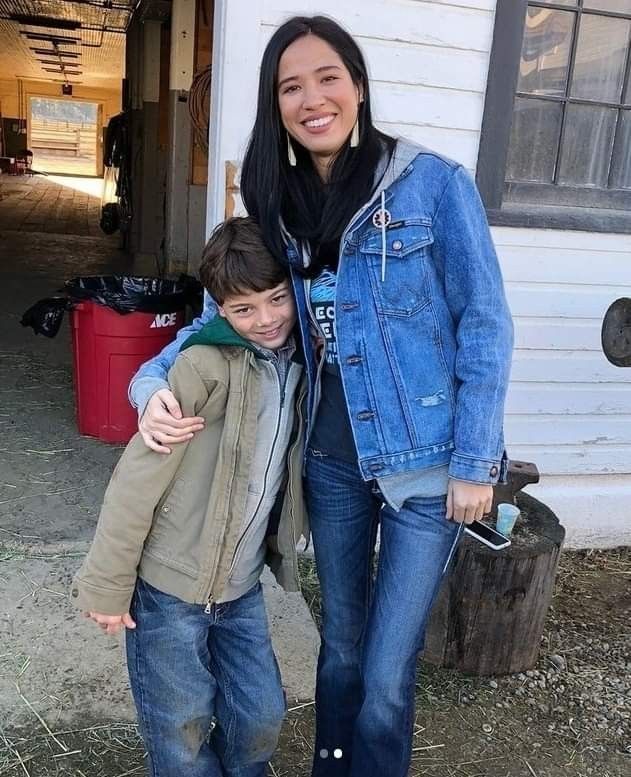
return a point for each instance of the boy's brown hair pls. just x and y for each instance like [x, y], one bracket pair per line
[235, 261]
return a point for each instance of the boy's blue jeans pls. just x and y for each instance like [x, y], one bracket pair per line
[370, 638]
[189, 669]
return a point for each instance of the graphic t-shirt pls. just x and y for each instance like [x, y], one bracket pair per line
[332, 432]
[323, 306]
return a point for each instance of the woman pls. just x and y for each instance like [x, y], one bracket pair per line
[407, 341]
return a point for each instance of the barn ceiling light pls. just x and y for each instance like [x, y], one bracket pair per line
[56, 53]
[45, 21]
[50, 38]
[63, 72]
[57, 63]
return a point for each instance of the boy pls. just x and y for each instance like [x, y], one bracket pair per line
[181, 539]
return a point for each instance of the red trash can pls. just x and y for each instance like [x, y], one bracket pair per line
[108, 348]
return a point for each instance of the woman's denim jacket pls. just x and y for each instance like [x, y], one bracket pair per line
[423, 329]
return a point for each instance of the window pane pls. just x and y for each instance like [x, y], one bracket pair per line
[545, 52]
[619, 6]
[600, 58]
[621, 165]
[534, 140]
[587, 145]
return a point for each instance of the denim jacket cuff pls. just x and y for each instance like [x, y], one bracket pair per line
[143, 389]
[487, 471]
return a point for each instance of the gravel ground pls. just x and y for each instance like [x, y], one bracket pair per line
[570, 716]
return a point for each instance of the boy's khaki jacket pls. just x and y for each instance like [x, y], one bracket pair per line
[175, 519]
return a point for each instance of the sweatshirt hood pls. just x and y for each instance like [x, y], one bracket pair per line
[391, 168]
[219, 332]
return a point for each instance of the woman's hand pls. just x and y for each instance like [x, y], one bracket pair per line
[162, 423]
[112, 624]
[468, 502]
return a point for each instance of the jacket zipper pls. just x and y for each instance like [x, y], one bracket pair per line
[281, 388]
[211, 600]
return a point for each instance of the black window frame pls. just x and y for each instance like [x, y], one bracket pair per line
[536, 205]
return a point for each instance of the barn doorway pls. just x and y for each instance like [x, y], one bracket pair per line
[64, 136]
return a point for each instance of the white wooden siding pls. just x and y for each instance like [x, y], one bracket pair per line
[438, 24]
[567, 460]
[568, 409]
[565, 367]
[549, 333]
[567, 398]
[420, 63]
[461, 145]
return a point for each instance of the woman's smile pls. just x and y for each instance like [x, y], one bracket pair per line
[319, 125]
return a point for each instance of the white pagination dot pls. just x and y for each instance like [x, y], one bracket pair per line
[324, 753]
[337, 753]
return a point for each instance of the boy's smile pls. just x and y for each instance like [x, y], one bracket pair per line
[266, 318]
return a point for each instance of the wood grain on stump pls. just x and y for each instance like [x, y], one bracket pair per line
[490, 612]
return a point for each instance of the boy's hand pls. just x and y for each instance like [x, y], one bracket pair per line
[112, 624]
[162, 423]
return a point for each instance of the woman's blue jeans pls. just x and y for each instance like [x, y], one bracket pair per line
[371, 633]
[193, 671]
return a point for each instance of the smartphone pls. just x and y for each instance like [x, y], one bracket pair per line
[487, 536]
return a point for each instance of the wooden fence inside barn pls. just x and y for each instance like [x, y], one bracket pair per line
[55, 137]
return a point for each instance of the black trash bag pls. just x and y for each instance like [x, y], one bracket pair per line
[122, 293]
[46, 315]
[129, 294]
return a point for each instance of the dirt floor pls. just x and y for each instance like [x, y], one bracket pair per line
[68, 165]
[568, 717]
[45, 205]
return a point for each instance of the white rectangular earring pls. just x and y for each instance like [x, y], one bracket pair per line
[355, 135]
[290, 152]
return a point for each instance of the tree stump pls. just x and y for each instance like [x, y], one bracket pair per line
[489, 615]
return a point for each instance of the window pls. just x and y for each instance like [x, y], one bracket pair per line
[555, 149]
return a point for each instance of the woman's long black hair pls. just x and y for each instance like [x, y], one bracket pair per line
[271, 188]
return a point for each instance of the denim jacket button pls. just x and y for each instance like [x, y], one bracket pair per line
[397, 245]
[365, 415]
[493, 471]
[354, 360]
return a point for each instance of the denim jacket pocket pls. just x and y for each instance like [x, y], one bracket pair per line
[399, 279]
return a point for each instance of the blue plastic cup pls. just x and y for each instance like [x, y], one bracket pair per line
[507, 514]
